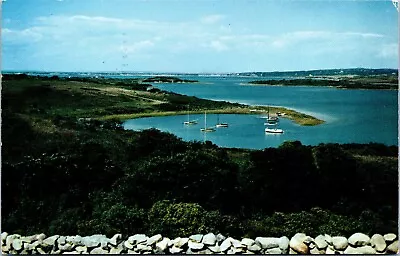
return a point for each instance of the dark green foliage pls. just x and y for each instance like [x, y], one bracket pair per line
[178, 219]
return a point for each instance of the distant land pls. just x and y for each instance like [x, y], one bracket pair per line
[294, 74]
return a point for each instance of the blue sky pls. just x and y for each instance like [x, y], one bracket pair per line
[198, 36]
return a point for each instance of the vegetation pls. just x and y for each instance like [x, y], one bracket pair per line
[363, 82]
[167, 79]
[66, 172]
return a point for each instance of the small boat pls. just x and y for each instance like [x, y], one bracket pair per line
[221, 125]
[273, 130]
[207, 129]
[189, 122]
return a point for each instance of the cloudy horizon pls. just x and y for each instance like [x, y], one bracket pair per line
[199, 36]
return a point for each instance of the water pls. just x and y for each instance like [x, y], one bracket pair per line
[352, 116]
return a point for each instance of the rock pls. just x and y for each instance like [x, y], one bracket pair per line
[378, 242]
[231, 251]
[175, 250]
[247, 242]
[329, 251]
[209, 239]
[95, 241]
[4, 249]
[360, 250]
[195, 245]
[55, 252]
[98, 250]
[248, 252]
[393, 247]
[128, 245]
[65, 247]
[236, 243]
[115, 251]
[137, 239]
[320, 242]
[291, 251]
[133, 252]
[315, 251]
[154, 239]
[76, 240]
[254, 248]
[40, 237]
[267, 242]
[358, 239]
[296, 243]
[40, 250]
[73, 252]
[215, 249]
[115, 238]
[196, 238]
[9, 241]
[328, 239]
[205, 251]
[3, 237]
[339, 242]
[17, 244]
[284, 244]
[274, 251]
[81, 249]
[32, 246]
[220, 238]
[163, 244]
[390, 237]
[142, 247]
[51, 241]
[179, 242]
[61, 240]
[225, 245]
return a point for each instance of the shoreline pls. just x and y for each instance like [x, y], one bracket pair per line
[293, 115]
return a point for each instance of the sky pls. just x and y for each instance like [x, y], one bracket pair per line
[195, 36]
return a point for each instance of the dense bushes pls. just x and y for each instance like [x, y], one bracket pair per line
[116, 181]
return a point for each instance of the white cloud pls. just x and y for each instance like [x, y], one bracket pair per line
[88, 37]
[389, 51]
[219, 46]
[212, 19]
[136, 47]
[294, 38]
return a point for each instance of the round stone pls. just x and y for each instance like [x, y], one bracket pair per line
[359, 239]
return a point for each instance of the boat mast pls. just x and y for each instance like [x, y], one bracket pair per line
[188, 115]
[205, 119]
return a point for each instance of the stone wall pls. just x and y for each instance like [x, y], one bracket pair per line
[199, 244]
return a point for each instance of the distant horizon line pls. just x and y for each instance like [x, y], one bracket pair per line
[204, 72]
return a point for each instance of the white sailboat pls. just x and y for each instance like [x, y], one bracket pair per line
[220, 125]
[189, 122]
[207, 129]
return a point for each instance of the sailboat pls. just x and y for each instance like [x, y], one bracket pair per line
[271, 119]
[207, 129]
[189, 122]
[219, 125]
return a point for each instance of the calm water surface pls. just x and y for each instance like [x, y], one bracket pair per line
[359, 116]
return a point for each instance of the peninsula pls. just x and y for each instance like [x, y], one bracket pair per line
[122, 99]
